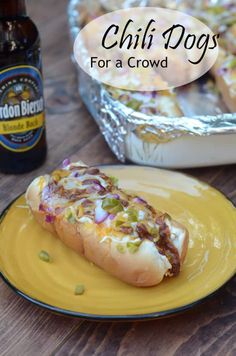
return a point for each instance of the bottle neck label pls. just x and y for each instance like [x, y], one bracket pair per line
[22, 118]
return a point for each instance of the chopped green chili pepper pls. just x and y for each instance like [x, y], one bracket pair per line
[154, 231]
[70, 217]
[132, 215]
[134, 104]
[114, 180]
[79, 289]
[216, 10]
[231, 63]
[112, 205]
[118, 223]
[120, 248]
[133, 246]
[44, 256]
[228, 21]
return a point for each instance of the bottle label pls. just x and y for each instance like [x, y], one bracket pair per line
[21, 108]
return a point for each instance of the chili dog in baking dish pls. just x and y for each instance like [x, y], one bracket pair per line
[119, 232]
[224, 71]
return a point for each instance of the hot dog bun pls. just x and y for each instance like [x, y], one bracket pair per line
[141, 263]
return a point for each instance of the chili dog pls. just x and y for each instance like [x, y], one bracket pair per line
[119, 232]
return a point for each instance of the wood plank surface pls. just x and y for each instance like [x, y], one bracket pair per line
[208, 329]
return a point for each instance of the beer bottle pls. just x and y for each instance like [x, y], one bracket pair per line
[22, 121]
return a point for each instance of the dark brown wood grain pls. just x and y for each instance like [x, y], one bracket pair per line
[208, 329]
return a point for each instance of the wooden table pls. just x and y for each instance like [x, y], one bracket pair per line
[25, 329]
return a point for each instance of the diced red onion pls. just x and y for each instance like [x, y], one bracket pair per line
[96, 185]
[114, 196]
[45, 193]
[75, 174]
[221, 71]
[41, 207]
[50, 219]
[139, 200]
[91, 190]
[144, 110]
[111, 216]
[58, 211]
[95, 188]
[65, 163]
[99, 187]
[45, 208]
[100, 215]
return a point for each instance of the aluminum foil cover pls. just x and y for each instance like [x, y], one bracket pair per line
[121, 116]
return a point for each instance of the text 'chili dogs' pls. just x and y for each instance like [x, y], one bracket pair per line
[119, 232]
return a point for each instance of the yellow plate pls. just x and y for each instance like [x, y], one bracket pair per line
[208, 215]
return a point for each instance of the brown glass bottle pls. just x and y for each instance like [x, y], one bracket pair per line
[22, 122]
